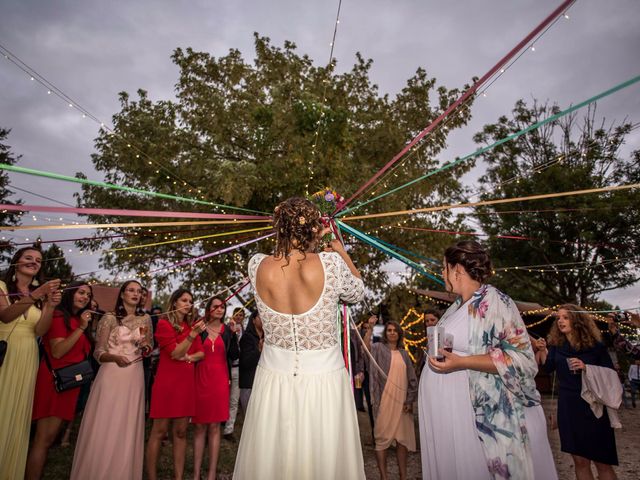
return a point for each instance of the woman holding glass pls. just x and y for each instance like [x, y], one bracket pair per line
[574, 344]
[479, 410]
[111, 437]
[393, 393]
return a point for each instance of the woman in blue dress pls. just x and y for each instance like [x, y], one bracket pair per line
[574, 344]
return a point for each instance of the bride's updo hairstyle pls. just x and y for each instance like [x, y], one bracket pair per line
[297, 225]
[472, 257]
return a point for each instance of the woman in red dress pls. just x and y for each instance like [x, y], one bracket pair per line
[173, 394]
[220, 345]
[65, 343]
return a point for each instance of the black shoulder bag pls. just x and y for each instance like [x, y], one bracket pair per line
[71, 376]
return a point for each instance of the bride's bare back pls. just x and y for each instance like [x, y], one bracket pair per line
[290, 289]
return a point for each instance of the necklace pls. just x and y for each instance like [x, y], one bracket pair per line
[214, 335]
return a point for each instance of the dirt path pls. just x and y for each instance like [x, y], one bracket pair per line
[627, 439]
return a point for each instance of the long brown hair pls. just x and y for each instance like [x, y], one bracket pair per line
[400, 344]
[10, 276]
[66, 304]
[584, 331]
[120, 311]
[172, 315]
[207, 309]
[297, 224]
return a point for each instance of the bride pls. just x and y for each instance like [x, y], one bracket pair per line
[301, 421]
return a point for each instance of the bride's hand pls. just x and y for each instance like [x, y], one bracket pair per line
[335, 246]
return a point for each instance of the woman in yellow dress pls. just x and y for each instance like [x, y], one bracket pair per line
[26, 308]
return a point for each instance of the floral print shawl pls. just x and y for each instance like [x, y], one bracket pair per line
[498, 400]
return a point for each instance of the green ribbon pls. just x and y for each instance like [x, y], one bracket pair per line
[84, 181]
[370, 241]
[480, 151]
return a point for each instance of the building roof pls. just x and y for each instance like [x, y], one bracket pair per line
[450, 297]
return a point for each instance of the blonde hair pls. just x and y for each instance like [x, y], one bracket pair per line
[584, 331]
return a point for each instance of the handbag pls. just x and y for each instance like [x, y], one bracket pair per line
[71, 376]
[3, 350]
[4, 344]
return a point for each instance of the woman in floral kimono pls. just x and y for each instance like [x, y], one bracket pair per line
[479, 410]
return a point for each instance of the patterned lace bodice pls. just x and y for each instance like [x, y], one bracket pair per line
[121, 339]
[317, 328]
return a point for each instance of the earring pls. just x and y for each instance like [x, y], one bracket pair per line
[13, 277]
[35, 282]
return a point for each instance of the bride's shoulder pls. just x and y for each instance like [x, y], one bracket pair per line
[257, 258]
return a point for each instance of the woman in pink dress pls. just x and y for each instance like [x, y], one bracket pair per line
[66, 343]
[212, 385]
[111, 438]
[174, 390]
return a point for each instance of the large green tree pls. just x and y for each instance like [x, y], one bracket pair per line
[244, 134]
[7, 218]
[55, 265]
[592, 239]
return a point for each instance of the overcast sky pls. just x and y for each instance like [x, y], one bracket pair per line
[93, 50]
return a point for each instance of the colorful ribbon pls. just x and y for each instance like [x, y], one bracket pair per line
[129, 213]
[523, 43]
[367, 239]
[212, 254]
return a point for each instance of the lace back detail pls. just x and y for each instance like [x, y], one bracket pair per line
[317, 328]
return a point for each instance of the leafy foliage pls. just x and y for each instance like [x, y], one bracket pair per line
[244, 134]
[7, 218]
[593, 238]
[55, 265]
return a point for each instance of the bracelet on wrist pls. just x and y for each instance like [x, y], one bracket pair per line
[190, 338]
[82, 329]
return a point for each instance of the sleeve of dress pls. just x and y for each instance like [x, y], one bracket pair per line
[196, 346]
[604, 359]
[412, 381]
[350, 287]
[166, 336]
[550, 365]
[254, 263]
[511, 349]
[57, 328]
[106, 324]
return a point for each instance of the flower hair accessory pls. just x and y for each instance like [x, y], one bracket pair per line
[327, 201]
[302, 220]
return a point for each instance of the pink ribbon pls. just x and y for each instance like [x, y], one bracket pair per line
[128, 213]
[213, 254]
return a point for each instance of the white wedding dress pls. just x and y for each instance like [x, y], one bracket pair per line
[301, 421]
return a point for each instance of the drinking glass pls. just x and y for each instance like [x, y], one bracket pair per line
[448, 342]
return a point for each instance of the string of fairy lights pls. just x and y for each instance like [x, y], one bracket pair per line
[414, 339]
[319, 122]
[412, 317]
[138, 152]
[444, 125]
